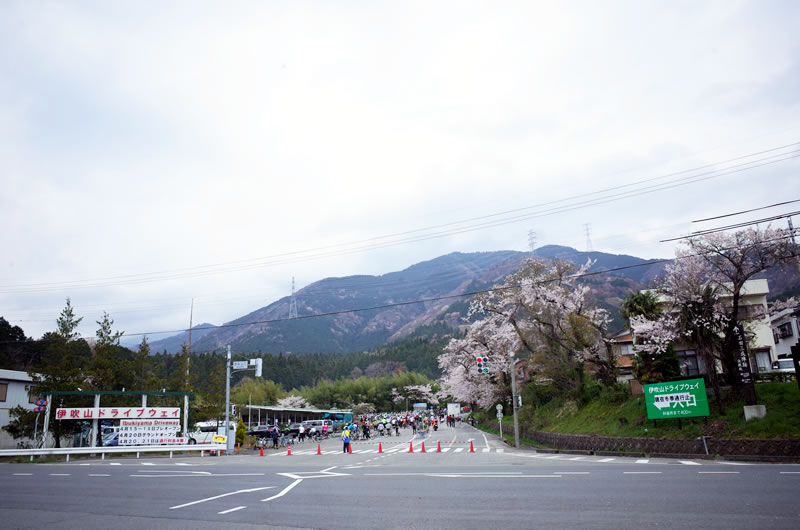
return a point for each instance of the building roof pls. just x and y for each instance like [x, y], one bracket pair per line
[15, 375]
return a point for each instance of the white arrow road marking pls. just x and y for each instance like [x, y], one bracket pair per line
[284, 491]
[204, 474]
[219, 497]
[223, 512]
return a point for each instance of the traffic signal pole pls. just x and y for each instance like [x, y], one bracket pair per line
[514, 399]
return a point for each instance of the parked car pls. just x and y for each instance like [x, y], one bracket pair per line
[784, 366]
[262, 431]
[111, 439]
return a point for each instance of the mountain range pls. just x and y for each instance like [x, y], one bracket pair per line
[386, 307]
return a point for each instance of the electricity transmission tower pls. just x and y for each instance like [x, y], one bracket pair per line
[588, 237]
[293, 303]
[532, 241]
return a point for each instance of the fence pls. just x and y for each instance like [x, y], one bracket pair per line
[731, 447]
[102, 451]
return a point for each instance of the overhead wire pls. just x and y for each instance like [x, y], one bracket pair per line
[225, 267]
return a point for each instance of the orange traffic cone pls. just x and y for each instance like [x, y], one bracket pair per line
[289, 453]
[410, 447]
[262, 451]
[380, 447]
[319, 449]
[350, 449]
[423, 447]
[471, 449]
[438, 447]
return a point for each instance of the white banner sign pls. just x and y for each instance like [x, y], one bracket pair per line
[118, 413]
[149, 432]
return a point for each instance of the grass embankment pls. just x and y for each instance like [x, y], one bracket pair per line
[610, 414]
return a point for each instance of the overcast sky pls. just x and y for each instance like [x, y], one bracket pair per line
[155, 152]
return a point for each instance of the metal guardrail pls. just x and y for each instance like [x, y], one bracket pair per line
[112, 450]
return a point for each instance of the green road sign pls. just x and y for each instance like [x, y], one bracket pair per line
[677, 399]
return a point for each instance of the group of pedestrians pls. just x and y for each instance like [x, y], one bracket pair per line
[368, 427]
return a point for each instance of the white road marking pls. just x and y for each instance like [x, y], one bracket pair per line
[445, 449]
[577, 458]
[183, 463]
[643, 461]
[114, 464]
[284, 491]
[790, 472]
[606, 459]
[718, 472]
[23, 474]
[458, 449]
[219, 497]
[501, 450]
[150, 463]
[59, 474]
[689, 463]
[84, 464]
[572, 472]
[735, 463]
[223, 512]
[99, 475]
[485, 439]
[486, 450]
[641, 472]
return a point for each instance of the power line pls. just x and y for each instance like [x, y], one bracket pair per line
[412, 302]
[746, 211]
[731, 227]
[228, 267]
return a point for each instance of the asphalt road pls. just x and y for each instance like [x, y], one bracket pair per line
[496, 486]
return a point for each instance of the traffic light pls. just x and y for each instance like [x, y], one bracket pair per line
[483, 365]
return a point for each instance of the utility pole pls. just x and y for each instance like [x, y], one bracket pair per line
[229, 442]
[514, 398]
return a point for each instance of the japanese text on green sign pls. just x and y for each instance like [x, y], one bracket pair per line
[678, 399]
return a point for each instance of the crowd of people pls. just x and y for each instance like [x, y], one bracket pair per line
[367, 427]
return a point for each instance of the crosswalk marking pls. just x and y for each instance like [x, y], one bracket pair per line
[445, 449]
[689, 463]
[500, 450]
[606, 459]
[643, 461]
[458, 449]
[486, 450]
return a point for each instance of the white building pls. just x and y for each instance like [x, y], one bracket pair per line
[785, 331]
[15, 389]
[754, 315]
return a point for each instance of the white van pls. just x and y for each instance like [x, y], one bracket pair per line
[204, 432]
[317, 424]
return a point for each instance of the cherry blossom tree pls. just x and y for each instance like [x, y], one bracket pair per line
[294, 402]
[701, 293]
[540, 311]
